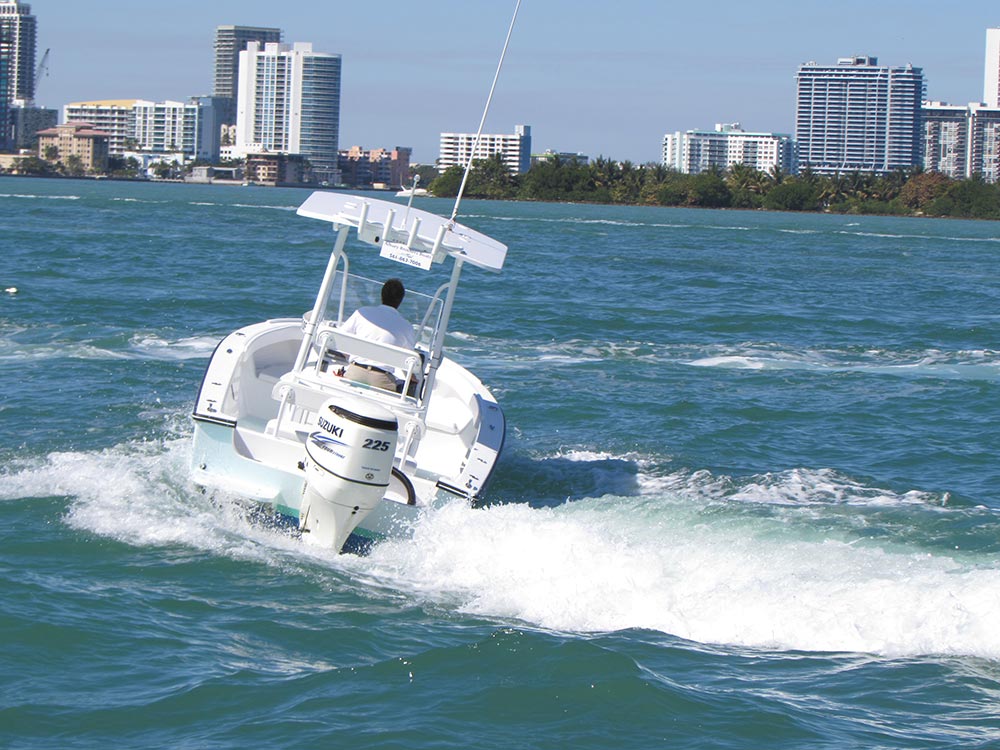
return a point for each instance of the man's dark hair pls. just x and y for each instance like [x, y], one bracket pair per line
[392, 292]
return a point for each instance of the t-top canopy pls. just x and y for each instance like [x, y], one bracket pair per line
[414, 231]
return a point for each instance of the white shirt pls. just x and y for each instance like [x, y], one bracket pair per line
[383, 324]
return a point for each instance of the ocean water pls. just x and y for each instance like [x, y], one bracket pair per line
[750, 495]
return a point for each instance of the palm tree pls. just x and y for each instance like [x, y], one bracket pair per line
[833, 191]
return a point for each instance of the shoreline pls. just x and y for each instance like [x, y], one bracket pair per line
[308, 186]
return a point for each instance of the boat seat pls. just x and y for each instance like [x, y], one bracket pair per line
[449, 416]
[333, 342]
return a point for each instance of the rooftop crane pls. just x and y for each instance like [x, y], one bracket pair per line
[43, 67]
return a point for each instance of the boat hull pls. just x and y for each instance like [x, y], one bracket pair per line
[238, 449]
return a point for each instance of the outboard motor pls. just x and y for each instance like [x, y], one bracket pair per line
[348, 468]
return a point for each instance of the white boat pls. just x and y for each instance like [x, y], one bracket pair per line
[411, 191]
[276, 421]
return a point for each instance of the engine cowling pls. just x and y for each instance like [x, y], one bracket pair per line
[348, 468]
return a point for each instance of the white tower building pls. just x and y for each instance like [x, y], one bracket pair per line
[288, 102]
[991, 85]
[18, 30]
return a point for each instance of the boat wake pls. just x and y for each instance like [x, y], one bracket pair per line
[20, 344]
[798, 560]
[904, 362]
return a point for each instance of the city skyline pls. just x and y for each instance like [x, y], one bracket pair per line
[599, 83]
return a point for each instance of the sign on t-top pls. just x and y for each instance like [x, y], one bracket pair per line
[400, 253]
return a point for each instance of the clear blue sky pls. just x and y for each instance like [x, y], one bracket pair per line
[602, 78]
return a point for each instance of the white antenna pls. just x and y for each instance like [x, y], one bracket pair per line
[482, 122]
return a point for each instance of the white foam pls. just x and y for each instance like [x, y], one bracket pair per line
[12, 351]
[677, 557]
[139, 494]
[243, 205]
[152, 346]
[607, 565]
[957, 365]
[141, 347]
[28, 196]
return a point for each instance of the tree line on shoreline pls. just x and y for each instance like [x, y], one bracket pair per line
[913, 192]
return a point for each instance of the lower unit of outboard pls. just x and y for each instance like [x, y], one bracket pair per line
[348, 468]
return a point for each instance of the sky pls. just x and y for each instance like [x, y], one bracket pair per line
[599, 78]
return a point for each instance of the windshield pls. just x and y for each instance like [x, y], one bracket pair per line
[422, 310]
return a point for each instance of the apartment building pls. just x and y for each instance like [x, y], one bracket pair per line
[18, 32]
[696, 151]
[858, 115]
[514, 148]
[288, 101]
[962, 141]
[75, 139]
[377, 166]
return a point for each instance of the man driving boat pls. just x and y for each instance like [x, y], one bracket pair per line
[384, 324]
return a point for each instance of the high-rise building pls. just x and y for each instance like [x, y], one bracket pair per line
[209, 127]
[984, 137]
[858, 116]
[991, 81]
[946, 139]
[288, 101]
[18, 29]
[165, 127]
[27, 121]
[962, 141]
[5, 131]
[514, 149]
[697, 151]
[229, 42]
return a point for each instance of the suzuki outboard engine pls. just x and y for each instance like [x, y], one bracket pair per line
[348, 468]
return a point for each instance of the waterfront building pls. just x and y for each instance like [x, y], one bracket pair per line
[4, 106]
[984, 137]
[277, 169]
[515, 149]
[209, 127]
[229, 42]
[27, 121]
[962, 141]
[153, 127]
[858, 116]
[288, 102]
[946, 139]
[81, 140]
[564, 157]
[379, 166]
[991, 79]
[697, 151]
[116, 117]
[18, 31]
[165, 127]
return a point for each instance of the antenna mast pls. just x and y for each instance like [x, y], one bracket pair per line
[482, 122]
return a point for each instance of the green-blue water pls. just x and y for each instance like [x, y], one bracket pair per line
[749, 496]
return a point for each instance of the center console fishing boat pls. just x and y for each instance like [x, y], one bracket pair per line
[277, 421]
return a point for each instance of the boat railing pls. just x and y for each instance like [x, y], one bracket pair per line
[301, 392]
[339, 348]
